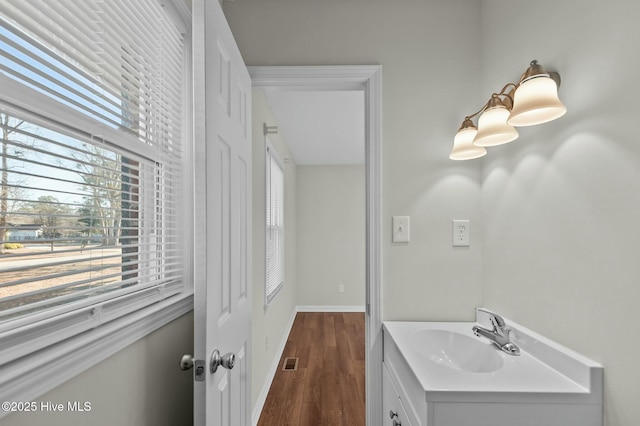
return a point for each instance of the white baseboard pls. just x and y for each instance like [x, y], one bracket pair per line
[262, 398]
[322, 308]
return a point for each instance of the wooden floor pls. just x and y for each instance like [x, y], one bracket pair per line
[328, 387]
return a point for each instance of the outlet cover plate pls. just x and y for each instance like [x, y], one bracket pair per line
[461, 233]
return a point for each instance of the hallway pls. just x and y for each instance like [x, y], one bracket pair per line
[328, 386]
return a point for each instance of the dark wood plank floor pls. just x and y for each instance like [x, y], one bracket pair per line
[328, 387]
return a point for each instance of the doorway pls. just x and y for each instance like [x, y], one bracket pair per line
[321, 137]
[366, 79]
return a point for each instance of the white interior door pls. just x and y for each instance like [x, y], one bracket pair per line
[222, 132]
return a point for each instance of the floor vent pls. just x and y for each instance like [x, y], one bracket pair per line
[290, 364]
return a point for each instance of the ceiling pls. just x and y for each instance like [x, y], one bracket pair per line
[321, 127]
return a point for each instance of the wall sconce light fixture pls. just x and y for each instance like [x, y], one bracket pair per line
[534, 100]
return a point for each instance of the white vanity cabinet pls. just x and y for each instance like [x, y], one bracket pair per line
[548, 385]
[394, 413]
[401, 390]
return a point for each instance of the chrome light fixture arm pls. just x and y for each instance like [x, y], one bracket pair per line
[495, 98]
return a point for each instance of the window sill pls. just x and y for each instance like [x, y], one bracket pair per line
[29, 377]
[270, 297]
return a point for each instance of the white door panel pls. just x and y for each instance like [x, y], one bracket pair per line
[222, 100]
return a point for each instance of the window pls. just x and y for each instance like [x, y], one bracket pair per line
[79, 221]
[274, 223]
[91, 189]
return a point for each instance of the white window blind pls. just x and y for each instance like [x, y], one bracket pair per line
[274, 223]
[117, 61]
[91, 172]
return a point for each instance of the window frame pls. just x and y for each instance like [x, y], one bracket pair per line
[272, 153]
[39, 356]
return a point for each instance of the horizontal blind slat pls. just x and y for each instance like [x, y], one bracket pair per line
[112, 60]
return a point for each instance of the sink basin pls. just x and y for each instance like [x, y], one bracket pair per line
[445, 375]
[449, 361]
[457, 351]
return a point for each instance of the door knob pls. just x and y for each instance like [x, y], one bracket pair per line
[186, 362]
[227, 361]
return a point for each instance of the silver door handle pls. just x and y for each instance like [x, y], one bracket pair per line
[186, 362]
[393, 415]
[227, 361]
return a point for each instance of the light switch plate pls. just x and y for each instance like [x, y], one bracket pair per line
[400, 229]
[461, 233]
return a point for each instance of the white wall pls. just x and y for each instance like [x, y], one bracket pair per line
[561, 203]
[553, 214]
[427, 50]
[139, 385]
[269, 327]
[331, 235]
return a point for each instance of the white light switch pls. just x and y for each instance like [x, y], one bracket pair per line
[461, 233]
[400, 229]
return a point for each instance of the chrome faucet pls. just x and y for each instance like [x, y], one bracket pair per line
[499, 336]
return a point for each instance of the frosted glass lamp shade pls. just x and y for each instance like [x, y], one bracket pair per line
[536, 101]
[463, 148]
[493, 128]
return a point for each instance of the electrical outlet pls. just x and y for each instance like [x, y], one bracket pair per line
[340, 288]
[461, 233]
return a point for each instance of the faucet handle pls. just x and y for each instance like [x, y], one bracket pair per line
[496, 320]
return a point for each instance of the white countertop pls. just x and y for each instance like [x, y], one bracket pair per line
[524, 374]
